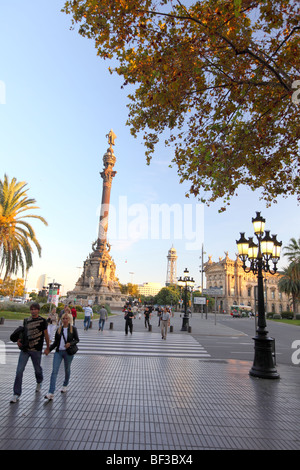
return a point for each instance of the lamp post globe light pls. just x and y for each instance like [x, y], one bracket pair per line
[187, 283]
[260, 256]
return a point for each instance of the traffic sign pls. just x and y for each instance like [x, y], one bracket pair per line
[213, 291]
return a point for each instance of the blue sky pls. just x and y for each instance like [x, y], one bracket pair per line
[57, 103]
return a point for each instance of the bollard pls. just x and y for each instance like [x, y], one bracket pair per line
[171, 328]
[150, 327]
[111, 326]
[2, 321]
[189, 329]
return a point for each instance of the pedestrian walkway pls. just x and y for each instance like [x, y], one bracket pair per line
[139, 344]
[128, 399]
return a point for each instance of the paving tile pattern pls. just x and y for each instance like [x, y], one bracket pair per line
[151, 403]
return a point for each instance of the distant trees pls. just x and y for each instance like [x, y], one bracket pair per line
[290, 281]
[12, 287]
[130, 289]
[167, 296]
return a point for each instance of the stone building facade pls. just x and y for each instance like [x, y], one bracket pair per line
[239, 288]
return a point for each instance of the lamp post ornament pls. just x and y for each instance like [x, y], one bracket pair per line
[260, 256]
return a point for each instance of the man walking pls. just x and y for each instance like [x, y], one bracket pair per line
[88, 314]
[31, 345]
[147, 315]
[103, 317]
[128, 316]
[164, 322]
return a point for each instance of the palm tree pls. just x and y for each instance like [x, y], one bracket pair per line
[292, 251]
[16, 234]
[290, 283]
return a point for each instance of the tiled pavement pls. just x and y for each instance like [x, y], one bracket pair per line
[140, 393]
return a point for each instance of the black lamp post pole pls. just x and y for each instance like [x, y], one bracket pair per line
[263, 363]
[185, 319]
[186, 282]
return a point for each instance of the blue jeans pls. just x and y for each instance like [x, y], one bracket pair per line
[101, 323]
[86, 323]
[58, 357]
[36, 357]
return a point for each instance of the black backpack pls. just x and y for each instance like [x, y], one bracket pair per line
[17, 334]
[20, 333]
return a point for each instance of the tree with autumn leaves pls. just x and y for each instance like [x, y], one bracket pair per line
[219, 76]
[12, 287]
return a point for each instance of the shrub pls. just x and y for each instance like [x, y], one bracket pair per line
[287, 315]
[14, 307]
[46, 308]
[96, 308]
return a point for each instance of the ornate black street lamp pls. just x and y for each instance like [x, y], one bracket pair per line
[260, 255]
[188, 283]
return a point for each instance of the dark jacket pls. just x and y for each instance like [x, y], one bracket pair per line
[72, 337]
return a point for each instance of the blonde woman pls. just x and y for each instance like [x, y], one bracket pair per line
[68, 311]
[66, 336]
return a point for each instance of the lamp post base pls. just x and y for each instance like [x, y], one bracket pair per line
[263, 364]
[185, 323]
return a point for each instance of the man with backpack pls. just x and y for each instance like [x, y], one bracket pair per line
[30, 343]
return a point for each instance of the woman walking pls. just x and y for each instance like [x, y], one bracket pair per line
[52, 323]
[66, 338]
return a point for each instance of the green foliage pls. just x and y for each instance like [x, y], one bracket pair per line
[96, 308]
[14, 307]
[287, 315]
[292, 250]
[16, 234]
[46, 308]
[290, 281]
[167, 296]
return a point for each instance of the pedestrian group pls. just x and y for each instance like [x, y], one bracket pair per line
[60, 333]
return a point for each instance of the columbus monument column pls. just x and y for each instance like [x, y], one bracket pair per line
[98, 283]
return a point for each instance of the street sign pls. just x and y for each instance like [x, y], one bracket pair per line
[213, 291]
[199, 300]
